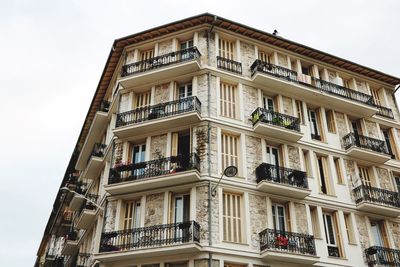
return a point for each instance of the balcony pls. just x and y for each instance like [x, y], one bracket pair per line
[229, 65]
[161, 67]
[384, 112]
[158, 117]
[70, 244]
[96, 129]
[88, 213]
[377, 200]
[366, 148]
[277, 125]
[156, 173]
[287, 247]
[315, 91]
[78, 199]
[93, 167]
[84, 260]
[151, 241]
[56, 261]
[282, 181]
[381, 256]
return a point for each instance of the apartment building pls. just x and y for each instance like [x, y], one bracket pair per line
[315, 140]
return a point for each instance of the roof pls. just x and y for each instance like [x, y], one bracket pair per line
[198, 20]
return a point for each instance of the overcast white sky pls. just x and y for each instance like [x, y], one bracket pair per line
[52, 54]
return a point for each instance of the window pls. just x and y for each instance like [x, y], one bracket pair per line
[332, 235]
[263, 56]
[273, 155]
[136, 154]
[280, 215]
[184, 91]
[388, 142]
[379, 234]
[181, 208]
[142, 100]
[186, 44]
[349, 228]
[315, 222]
[330, 121]
[228, 100]
[131, 215]
[226, 49]
[375, 96]
[268, 103]
[229, 151]
[323, 175]
[300, 113]
[339, 171]
[145, 55]
[232, 217]
[314, 125]
[364, 176]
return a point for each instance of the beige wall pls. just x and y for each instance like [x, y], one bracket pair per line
[258, 218]
[154, 209]
[162, 93]
[253, 156]
[247, 57]
[250, 103]
[158, 146]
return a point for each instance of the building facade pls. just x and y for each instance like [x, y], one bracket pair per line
[315, 139]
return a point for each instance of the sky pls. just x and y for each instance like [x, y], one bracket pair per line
[52, 53]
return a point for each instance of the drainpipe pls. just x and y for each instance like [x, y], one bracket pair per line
[209, 143]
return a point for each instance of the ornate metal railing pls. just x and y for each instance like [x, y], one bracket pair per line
[365, 142]
[83, 260]
[152, 168]
[98, 150]
[58, 262]
[275, 118]
[282, 241]
[316, 137]
[381, 256]
[152, 236]
[158, 111]
[333, 251]
[282, 175]
[229, 65]
[105, 106]
[160, 61]
[328, 87]
[90, 205]
[376, 195]
[384, 112]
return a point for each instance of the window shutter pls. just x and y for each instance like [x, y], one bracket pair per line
[385, 237]
[289, 218]
[338, 234]
[174, 145]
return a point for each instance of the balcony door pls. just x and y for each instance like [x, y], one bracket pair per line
[331, 234]
[279, 218]
[379, 235]
[273, 159]
[314, 127]
[131, 221]
[268, 103]
[138, 156]
[185, 45]
[180, 150]
[183, 92]
[181, 216]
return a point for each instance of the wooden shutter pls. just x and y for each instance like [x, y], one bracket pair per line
[263, 56]
[318, 114]
[288, 217]
[382, 228]
[174, 145]
[130, 153]
[229, 150]
[226, 49]
[339, 171]
[232, 221]
[339, 241]
[145, 55]
[228, 100]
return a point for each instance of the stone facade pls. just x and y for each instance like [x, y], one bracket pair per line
[202, 94]
[110, 216]
[301, 218]
[283, 60]
[294, 158]
[158, 147]
[202, 46]
[362, 87]
[253, 156]
[165, 47]
[203, 216]
[214, 151]
[250, 103]
[384, 179]
[392, 105]
[154, 209]
[341, 125]
[287, 106]
[258, 218]
[372, 129]
[362, 231]
[161, 94]
[204, 263]
[247, 57]
[395, 233]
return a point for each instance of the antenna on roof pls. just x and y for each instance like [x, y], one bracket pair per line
[275, 33]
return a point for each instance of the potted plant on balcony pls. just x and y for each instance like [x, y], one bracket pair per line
[282, 241]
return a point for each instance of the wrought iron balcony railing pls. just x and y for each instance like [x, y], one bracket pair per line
[150, 237]
[98, 150]
[328, 87]
[384, 112]
[83, 260]
[89, 205]
[152, 168]
[365, 142]
[160, 61]
[105, 106]
[381, 256]
[376, 195]
[316, 137]
[282, 241]
[229, 65]
[282, 175]
[162, 110]
[275, 118]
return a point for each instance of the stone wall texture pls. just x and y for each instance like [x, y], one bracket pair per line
[165, 47]
[282, 60]
[341, 125]
[110, 216]
[362, 231]
[202, 94]
[247, 57]
[287, 106]
[395, 233]
[161, 94]
[158, 146]
[253, 155]
[392, 104]
[204, 263]
[362, 87]
[258, 218]
[250, 103]
[202, 46]
[202, 215]
[301, 218]
[154, 209]
[372, 129]
[294, 158]
[385, 179]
